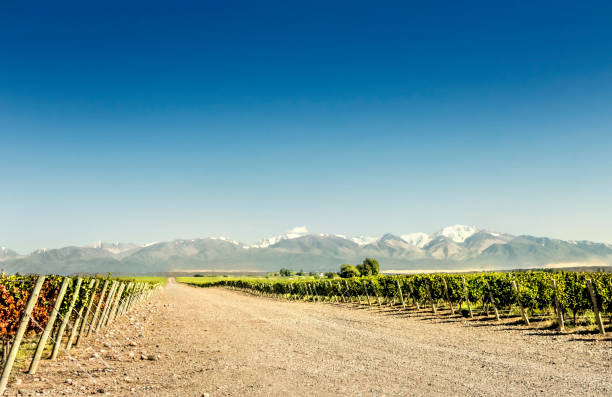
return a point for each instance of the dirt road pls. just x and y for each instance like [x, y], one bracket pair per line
[226, 343]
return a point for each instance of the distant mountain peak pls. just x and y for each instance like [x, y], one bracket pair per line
[363, 240]
[114, 248]
[6, 253]
[389, 236]
[418, 239]
[458, 233]
[453, 247]
[298, 231]
[229, 240]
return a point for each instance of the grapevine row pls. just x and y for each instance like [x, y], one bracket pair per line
[36, 307]
[563, 293]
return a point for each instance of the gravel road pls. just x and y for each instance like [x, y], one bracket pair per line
[198, 341]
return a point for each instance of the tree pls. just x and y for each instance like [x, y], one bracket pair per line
[285, 272]
[300, 273]
[330, 274]
[348, 271]
[369, 267]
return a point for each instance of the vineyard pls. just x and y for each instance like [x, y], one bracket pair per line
[566, 298]
[52, 314]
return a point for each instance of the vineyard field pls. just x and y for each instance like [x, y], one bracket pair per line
[564, 296]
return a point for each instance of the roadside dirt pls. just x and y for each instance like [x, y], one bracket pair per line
[197, 342]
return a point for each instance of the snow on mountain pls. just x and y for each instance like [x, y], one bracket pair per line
[452, 247]
[418, 239]
[114, 248]
[230, 241]
[226, 239]
[363, 240]
[298, 231]
[458, 233]
[6, 253]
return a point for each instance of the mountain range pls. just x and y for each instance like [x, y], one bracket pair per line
[452, 248]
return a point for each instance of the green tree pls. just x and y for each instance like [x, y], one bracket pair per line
[285, 272]
[330, 274]
[348, 271]
[369, 267]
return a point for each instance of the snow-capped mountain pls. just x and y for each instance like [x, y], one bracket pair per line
[458, 233]
[363, 240]
[115, 248]
[6, 253]
[452, 247]
[296, 232]
[418, 239]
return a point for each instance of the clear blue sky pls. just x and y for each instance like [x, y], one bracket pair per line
[146, 121]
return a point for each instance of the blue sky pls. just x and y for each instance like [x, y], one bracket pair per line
[147, 121]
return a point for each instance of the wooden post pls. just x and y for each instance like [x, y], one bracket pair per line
[523, 312]
[87, 311]
[42, 342]
[335, 294]
[328, 295]
[391, 299]
[107, 305]
[331, 293]
[399, 289]
[341, 292]
[96, 315]
[62, 328]
[433, 305]
[115, 305]
[140, 286]
[120, 302]
[600, 325]
[467, 299]
[366, 292]
[111, 304]
[77, 322]
[123, 303]
[558, 306]
[492, 301]
[414, 298]
[23, 326]
[376, 293]
[128, 302]
[348, 291]
[447, 297]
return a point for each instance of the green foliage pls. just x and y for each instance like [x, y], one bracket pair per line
[535, 290]
[348, 271]
[285, 272]
[369, 267]
[152, 280]
[330, 274]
